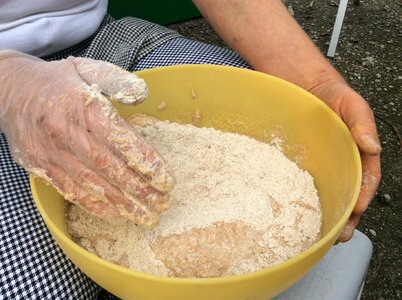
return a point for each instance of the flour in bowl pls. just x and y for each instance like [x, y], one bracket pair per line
[239, 206]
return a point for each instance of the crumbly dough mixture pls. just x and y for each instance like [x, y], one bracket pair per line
[239, 205]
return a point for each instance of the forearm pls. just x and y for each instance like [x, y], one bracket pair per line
[269, 39]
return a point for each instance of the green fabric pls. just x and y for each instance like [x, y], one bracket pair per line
[158, 11]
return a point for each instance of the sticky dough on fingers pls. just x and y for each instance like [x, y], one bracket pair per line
[117, 83]
[95, 185]
[130, 144]
[103, 161]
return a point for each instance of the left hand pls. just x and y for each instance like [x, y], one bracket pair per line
[359, 118]
[60, 127]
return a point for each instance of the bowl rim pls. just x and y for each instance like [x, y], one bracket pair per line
[226, 279]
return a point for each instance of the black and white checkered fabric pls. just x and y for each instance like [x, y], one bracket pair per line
[185, 51]
[32, 265]
[122, 42]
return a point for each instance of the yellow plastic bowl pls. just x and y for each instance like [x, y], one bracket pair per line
[251, 103]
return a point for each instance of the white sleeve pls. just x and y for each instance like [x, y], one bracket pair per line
[43, 27]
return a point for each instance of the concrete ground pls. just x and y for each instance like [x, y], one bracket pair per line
[369, 56]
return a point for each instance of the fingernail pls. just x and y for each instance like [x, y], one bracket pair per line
[372, 145]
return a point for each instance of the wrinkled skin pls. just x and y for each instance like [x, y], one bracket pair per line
[61, 127]
[357, 115]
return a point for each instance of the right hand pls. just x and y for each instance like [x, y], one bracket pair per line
[359, 118]
[61, 128]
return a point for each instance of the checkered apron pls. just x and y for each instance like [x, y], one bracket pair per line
[32, 265]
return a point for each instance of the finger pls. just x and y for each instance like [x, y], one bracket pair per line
[110, 129]
[71, 191]
[370, 180]
[359, 118]
[142, 120]
[98, 187]
[366, 139]
[98, 208]
[100, 118]
[117, 83]
[140, 156]
[104, 162]
[69, 188]
[349, 228]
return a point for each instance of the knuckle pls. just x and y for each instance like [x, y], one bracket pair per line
[83, 175]
[53, 126]
[100, 159]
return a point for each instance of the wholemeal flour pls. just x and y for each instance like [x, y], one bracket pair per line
[239, 205]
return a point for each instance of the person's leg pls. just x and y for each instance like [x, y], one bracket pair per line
[32, 265]
[136, 44]
[185, 51]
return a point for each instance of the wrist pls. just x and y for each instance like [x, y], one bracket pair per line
[323, 78]
[8, 54]
[309, 75]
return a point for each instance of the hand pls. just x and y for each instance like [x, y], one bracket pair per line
[357, 115]
[61, 128]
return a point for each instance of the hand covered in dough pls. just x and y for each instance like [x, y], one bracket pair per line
[61, 127]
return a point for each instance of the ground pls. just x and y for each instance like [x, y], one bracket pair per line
[369, 56]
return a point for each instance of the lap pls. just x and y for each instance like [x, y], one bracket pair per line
[32, 265]
[185, 51]
[135, 44]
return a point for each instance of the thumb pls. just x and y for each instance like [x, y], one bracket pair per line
[115, 82]
[358, 116]
[366, 139]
